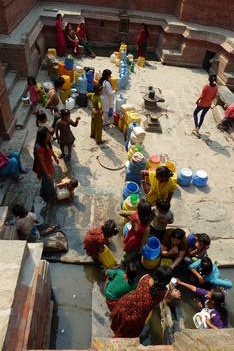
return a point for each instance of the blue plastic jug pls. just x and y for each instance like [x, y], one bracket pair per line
[120, 100]
[82, 84]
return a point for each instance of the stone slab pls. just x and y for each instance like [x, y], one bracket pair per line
[12, 254]
[3, 215]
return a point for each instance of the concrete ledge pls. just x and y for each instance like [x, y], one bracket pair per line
[225, 96]
[218, 113]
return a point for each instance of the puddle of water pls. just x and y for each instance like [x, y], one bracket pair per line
[72, 320]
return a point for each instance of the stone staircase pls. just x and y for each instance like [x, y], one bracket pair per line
[16, 87]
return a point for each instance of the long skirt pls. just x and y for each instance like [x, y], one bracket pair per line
[47, 191]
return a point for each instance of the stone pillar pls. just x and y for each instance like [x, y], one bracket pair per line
[7, 119]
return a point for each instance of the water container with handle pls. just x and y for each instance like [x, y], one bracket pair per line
[107, 258]
[90, 78]
[120, 100]
[69, 62]
[112, 58]
[82, 84]
[70, 103]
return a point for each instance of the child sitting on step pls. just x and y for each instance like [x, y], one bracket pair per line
[26, 224]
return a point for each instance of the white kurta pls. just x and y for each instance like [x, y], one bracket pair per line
[107, 96]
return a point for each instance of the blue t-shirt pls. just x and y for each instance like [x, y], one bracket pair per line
[213, 277]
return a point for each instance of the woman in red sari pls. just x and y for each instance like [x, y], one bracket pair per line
[142, 40]
[72, 39]
[60, 38]
[131, 311]
[81, 34]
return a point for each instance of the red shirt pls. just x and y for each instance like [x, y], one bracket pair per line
[47, 155]
[94, 242]
[134, 237]
[207, 95]
[229, 113]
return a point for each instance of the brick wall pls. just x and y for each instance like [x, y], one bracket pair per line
[209, 12]
[163, 6]
[12, 12]
[7, 120]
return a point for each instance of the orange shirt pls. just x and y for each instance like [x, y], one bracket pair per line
[207, 95]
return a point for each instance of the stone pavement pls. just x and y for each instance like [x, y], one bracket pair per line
[99, 193]
[98, 197]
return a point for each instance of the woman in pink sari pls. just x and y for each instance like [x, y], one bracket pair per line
[60, 38]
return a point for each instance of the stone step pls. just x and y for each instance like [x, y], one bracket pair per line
[4, 186]
[16, 93]
[4, 68]
[3, 215]
[22, 115]
[9, 232]
[10, 78]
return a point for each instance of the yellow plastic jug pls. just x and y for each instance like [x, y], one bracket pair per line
[131, 116]
[61, 66]
[64, 95]
[141, 61]
[67, 83]
[114, 82]
[107, 258]
[51, 51]
[70, 73]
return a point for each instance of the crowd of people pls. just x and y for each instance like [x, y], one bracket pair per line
[131, 291]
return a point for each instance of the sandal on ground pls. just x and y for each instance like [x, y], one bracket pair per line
[101, 142]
